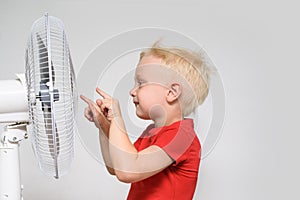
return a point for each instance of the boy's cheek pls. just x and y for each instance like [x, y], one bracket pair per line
[156, 111]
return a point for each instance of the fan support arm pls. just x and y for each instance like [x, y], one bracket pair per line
[10, 186]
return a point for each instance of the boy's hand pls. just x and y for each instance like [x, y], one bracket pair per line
[93, 114]
[109, 106]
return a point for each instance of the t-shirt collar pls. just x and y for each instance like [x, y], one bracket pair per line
[186, 122]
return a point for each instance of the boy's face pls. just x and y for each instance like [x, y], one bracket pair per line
[150, 90]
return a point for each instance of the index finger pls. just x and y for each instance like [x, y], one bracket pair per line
[93, 106]
[86, 100]
[102, 93]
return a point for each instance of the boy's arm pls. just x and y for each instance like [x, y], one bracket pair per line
[105, 152]
[93, 114]
[129, 165]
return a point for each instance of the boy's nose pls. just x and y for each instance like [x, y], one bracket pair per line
[133, 92]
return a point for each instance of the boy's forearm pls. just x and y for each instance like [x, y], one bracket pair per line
[121, 150]
[104, 145]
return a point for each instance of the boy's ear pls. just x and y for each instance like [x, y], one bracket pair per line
[174, 92]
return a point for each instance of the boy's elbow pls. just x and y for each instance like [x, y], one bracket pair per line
[121, 176]
[110, 170]
[125, 177]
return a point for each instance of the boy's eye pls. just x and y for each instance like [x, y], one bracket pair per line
[140, 83]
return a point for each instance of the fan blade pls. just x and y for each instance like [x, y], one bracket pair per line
[53, 141]
[44, 62]
[53, 137]
[44, 94]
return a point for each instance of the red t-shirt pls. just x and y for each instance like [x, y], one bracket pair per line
[178, 181]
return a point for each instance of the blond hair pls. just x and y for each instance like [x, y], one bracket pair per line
[191, 67]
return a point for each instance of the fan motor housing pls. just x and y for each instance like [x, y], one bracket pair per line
[13, 101]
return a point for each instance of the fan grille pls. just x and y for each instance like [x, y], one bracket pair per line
[51, 96]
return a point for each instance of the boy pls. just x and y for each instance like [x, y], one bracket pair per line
[164, 161]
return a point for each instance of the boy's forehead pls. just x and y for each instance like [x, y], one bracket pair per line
[149, 59]
[152, 69]
[149, 70]
[148, 65]
[158, 73]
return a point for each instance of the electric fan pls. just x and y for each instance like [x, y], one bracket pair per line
[43, 101]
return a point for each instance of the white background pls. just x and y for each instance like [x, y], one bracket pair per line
[255, 45]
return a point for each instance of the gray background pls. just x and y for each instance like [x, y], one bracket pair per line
[254, 44]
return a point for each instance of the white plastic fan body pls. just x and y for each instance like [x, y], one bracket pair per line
[48, 111]
[51, 96]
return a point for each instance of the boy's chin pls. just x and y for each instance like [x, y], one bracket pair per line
[142, 115]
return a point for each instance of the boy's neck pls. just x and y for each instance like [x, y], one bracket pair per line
[172, 113]
[166, 122]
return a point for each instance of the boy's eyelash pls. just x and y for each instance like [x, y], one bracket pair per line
[140, 82]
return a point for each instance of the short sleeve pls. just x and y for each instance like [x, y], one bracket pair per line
[175, 142]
